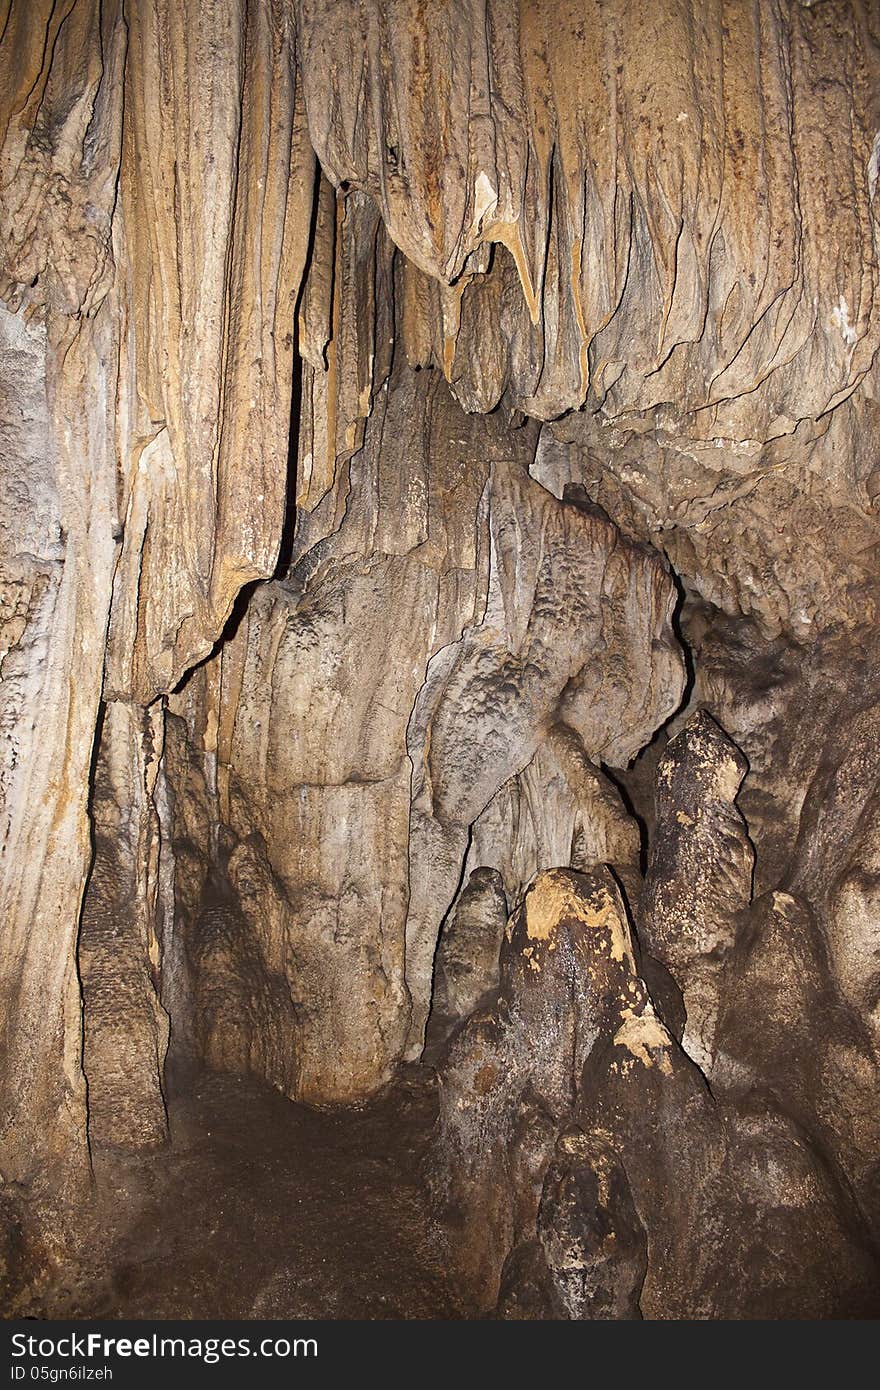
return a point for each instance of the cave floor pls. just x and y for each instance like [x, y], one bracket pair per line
[260, 1208]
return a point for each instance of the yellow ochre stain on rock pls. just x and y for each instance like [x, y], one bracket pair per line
[553, 897]
[643, 1033]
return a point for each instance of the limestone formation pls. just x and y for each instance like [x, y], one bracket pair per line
[466, 962]
[564, 589]
[510, 1078]
[439, 611]
[121, 936]
[149, 291]
[700, 873]
[591, 1242]
[650, 224]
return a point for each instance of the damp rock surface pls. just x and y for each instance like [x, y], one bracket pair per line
[264, 1209]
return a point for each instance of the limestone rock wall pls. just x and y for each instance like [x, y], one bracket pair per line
[657, 175]
[62, 72]
[149, 284]
[122, 933]
[374, 702]
[435, 441]
[594, 1174]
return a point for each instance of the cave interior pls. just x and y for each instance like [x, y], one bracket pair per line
[439, 602]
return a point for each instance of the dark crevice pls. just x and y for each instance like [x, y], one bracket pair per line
[430, 1046]
[623, 791]
[93, 851]
[288, 526]
[635, 783]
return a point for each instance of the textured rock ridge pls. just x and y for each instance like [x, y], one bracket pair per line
[390, 687]
[676, 240]
[568, 1082]
[700, 874]
[143, 280]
